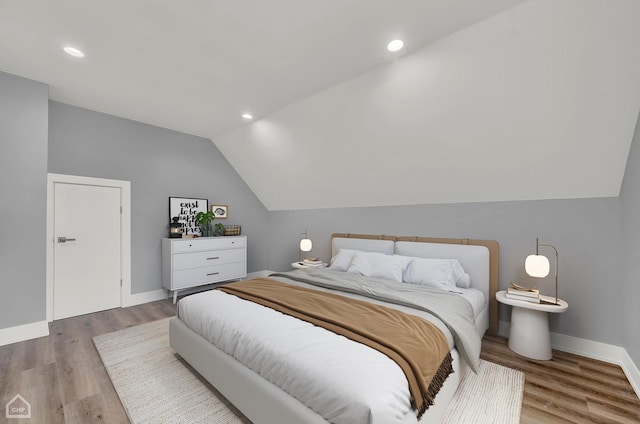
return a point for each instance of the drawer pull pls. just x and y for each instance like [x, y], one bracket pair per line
[213, 273]
[215, 257]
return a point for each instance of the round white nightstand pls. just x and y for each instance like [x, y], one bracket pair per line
[301, 265]
[529, 331]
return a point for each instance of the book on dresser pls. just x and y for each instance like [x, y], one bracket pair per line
[526, 294]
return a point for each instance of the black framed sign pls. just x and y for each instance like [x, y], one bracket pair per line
[186, 209]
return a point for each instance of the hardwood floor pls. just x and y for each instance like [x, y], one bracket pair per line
[63, 378]
[569, 388]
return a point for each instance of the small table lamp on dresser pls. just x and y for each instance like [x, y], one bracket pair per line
[529, 330]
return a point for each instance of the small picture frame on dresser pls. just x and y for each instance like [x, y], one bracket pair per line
[220, 211]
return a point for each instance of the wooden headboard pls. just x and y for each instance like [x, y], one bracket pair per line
[491, 245]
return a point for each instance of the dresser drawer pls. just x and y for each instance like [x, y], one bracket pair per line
[208, 243]
[209, 258]
[188, 263]
[211, 274]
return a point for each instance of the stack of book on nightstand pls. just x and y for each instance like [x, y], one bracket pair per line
[523, 293]
[313, 262]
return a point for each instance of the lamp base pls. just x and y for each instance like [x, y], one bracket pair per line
[546, 302]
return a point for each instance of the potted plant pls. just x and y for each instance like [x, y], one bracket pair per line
[218, 229]
[204, 220]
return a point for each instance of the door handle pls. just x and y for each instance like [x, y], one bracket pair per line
[64, 239]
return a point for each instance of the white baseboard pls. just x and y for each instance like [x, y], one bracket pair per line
[590, 349]
[23, 332]
[144, 297]
[34, 330]
[601, 351]
[631, 370]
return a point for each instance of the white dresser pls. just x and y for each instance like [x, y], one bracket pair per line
[194, 262]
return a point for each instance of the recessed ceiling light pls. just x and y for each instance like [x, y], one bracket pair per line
[395, 45]
[73, 51]
[247, 116]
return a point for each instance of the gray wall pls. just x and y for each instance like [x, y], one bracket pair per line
[159, 163]
[630, 293]
[586, 232]
[595, 237]
[23, 194]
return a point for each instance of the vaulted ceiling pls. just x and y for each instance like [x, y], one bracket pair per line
[491, 100]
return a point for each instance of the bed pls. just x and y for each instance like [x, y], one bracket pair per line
[260, 396]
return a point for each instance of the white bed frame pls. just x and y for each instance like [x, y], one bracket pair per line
[264, 403]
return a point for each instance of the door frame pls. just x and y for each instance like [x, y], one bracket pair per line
[125, 232]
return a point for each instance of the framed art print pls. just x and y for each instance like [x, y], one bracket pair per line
[186, 209]
[220, 211]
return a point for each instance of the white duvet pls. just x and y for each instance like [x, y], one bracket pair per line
[280, 348]
[350, 382]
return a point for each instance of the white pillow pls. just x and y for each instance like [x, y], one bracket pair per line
[464, 281]
[442, 273]
[342, 259]
[379, 265]
[458, 271]
[461, 278]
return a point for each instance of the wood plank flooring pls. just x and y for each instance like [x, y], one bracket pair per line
[569, 388]
[63, 378]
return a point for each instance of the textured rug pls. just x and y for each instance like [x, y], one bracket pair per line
[492, 396]
[156, 386]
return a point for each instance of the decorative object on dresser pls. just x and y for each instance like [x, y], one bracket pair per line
[220, 211]
[175, 229]
[186, 210]
[196, 262]
[232, 230]
[204, 220]
[538, 266]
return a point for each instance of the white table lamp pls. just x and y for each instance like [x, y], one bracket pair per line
[538, 265]
[305, 244]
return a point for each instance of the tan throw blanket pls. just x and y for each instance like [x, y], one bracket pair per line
[415, 344]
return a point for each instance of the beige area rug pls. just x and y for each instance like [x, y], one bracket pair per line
[156, 386]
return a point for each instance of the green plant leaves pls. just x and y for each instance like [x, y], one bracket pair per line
[205, 218]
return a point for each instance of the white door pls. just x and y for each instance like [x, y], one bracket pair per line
[87, 260]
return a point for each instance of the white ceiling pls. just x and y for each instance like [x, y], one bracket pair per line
[490, 100]
[537, 102]
[195, 66]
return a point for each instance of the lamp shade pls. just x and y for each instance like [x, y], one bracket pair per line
[537, 266]
[306, 245]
